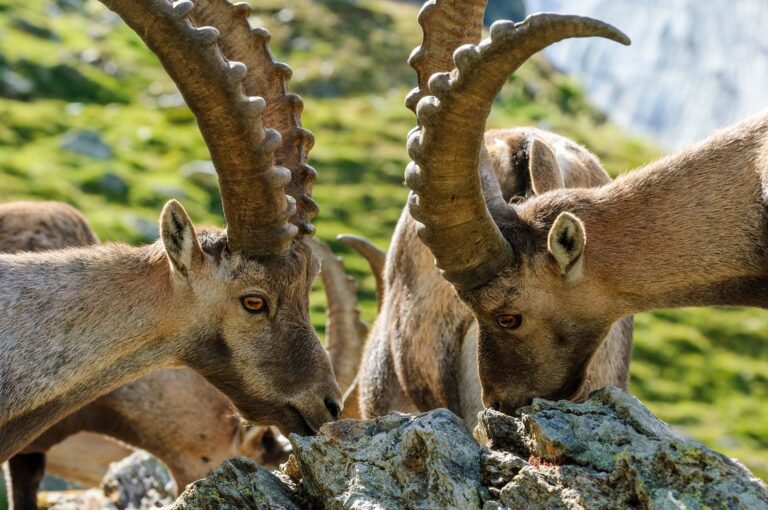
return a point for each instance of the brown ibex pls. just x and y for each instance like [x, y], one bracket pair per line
[422, 350]
[172, 413]
[547, 277]
[233, 305]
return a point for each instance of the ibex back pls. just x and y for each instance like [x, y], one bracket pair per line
[75, 324]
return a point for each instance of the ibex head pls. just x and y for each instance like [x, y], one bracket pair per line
[244, 291]
[504, 264]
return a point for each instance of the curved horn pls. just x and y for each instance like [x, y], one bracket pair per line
[269, 80]
[374, 255]
[446, 25]
[345, 331]
[242, 150]
[446, 149]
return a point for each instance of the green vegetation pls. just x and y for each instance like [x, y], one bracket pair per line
[68, 68]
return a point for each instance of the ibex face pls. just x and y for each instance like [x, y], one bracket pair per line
[505, 268]
[523, 329]
[251, 315]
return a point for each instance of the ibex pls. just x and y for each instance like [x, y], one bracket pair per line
[233, 305]
[171, 413]
[547, 277]
[422, 350]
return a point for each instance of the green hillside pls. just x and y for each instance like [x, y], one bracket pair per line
[88, 117]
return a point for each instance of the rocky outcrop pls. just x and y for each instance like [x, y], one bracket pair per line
[608, 453]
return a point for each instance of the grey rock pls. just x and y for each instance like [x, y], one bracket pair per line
[239, 484]
[15, 86]
[607, 453]
[87, 143]
[417, 461]
[139, 481]
[201, 172]
[113, 184]
[610, 452]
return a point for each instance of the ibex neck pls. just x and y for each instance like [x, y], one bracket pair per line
[689, 230]
[76, 323]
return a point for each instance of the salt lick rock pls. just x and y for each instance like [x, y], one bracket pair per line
[608, 453]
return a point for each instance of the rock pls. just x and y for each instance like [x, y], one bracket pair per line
[15, 86]
[139, 481]
[87, 143]
[201, 172]
[425, 461]
[610, 452]
[240, 484]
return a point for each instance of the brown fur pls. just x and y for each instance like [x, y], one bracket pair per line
[139, 313]
[421, 352]
[174, 414]
[688, 230]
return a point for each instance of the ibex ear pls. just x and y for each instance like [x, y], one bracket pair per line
[566, 243]
[544, 168]
[179, 239]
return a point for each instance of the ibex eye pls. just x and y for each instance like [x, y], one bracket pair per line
[512, 321]
[254, 304]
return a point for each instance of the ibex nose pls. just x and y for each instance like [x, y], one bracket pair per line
[334, 407]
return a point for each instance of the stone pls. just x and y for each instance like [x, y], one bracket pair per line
[239, 484]
[139, 481]
[609, 452]
[417, 461]
[85, 142]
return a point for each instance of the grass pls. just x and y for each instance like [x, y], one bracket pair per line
[704, 371]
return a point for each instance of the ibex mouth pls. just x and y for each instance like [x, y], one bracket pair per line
[301, 425]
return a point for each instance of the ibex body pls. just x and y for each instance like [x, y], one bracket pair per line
[174, 414]
[547, 277]
[422, 351]
[77, 323]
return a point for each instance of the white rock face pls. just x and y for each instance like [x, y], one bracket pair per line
[693, 66]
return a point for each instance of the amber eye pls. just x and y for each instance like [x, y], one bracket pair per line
[512, 321]
[254, 304]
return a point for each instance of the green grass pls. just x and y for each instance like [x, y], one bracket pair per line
[704, 371]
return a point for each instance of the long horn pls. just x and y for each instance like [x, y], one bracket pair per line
[446, 148]
[446, 25]
[345, 332]
[256, 207]
[269, 80]
[374, 255]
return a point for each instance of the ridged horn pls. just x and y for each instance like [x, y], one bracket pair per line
[446, 25]
[374, 255]
[344, 330]
[446, 149]
[256, 207]
[267, 79]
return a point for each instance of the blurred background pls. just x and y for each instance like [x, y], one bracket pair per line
[88, 117]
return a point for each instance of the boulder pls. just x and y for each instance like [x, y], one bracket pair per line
[610, 452]
[424, 461]
[607, 453]
[87, 143]
[240, 484]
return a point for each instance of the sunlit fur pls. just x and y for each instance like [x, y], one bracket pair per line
[77, 323]
[422, 350]
[688, 230]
